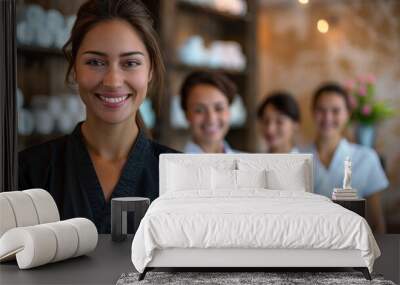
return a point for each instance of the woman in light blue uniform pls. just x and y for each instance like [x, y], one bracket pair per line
[279, 118]
[331, 110]
[205, 99]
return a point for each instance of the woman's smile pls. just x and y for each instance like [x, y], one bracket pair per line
[113, 101]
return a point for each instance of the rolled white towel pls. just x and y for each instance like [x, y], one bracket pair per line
[44, 122]
[68, 239]
[79, 116]
[26, 208]
[65, 122]
[72, 103]
[40, 102]
[45, 205]
[37, 245]
[35, 16]
[178, 118]
[55, 21]
[23, 208]
[20, 99]
[70, 21]
[44, 36]
[238, 112]
[25, 33]
[55, 105]
[31, 246]
[7, 220]
[26, 123]
[147, 113]
[193, 51]
[87, 235]
[216, 54]
[61, 37]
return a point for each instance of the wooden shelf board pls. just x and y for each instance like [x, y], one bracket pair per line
[36, 50]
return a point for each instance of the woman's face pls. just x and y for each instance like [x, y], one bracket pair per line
[331, 115]
[113, 71]
[207, 113]
[277, 128]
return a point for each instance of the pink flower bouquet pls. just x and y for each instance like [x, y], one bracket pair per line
[365, 108]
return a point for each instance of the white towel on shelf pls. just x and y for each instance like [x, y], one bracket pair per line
[25, 33]
[55, 20]
[58, 29]
[39, 101]
[61, 37]
[20, 99]
[238, 112]
[178, 118]
[72, 103]
[44, 36]
[193, 52]
[44, 122]
[26, 123]
[146, 110]
[70, 21]
[65, 122]
[35, 16]
[55, 105]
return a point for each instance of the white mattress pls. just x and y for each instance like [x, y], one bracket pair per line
[252, 218]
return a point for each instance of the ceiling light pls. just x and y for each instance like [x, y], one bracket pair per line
[323, 26]
[303, 2]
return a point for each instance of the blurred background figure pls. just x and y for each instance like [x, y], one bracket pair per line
[279, 117]
[331, 111]
[205, 99]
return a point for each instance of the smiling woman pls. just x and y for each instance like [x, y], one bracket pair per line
[206, 98]
[113, 59]
[331, 109]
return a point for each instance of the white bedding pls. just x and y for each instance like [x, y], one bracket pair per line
[251, 218]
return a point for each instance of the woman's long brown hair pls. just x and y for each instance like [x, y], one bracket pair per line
[132, 11]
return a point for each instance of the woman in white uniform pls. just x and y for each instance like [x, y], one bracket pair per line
[331, 111]
[279, 117]
[205, 99]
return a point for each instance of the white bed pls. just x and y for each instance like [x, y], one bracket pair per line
[247, 210]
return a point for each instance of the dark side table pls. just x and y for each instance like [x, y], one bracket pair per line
[356, 205]
[119, 210]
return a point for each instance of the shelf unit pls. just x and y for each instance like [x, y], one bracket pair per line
[42, 70]
[181, 19]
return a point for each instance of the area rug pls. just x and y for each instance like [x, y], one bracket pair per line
[268, 278]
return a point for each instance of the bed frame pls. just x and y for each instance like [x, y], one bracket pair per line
[248, 259]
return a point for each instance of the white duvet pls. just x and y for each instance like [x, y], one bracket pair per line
[252, 218]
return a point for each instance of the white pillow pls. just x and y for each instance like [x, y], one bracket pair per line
[251, 178]
[224, 179]
[182, 177]
[281, 174]
[279, 180]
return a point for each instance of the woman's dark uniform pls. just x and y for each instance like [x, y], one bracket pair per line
[64, 168]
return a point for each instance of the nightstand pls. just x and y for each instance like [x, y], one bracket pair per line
[356, 205]
[119, 210]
